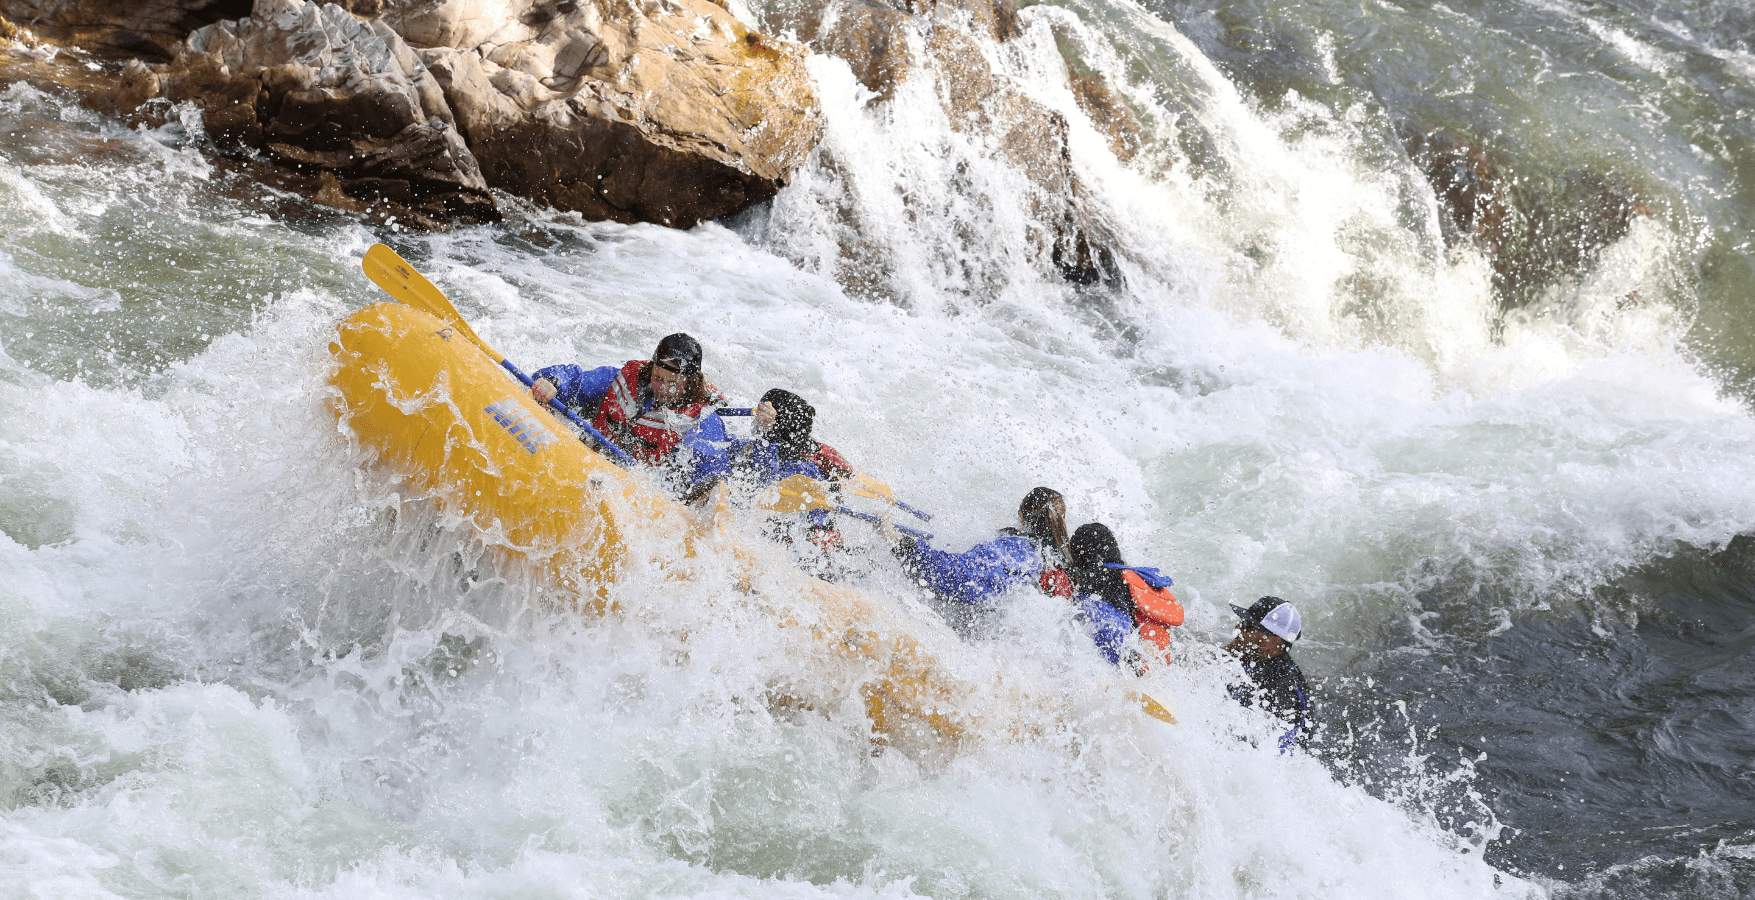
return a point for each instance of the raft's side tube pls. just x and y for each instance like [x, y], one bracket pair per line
[438, 411]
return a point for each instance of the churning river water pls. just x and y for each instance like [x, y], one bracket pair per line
[1508, 499]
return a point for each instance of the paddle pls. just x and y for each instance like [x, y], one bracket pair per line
[401, 281]
[876, 520]
[800, 492]
[860, 485]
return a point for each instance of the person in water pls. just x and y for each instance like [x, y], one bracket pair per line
[1114, 598]
[1264, 632]
[646, 407]
[1031, 554]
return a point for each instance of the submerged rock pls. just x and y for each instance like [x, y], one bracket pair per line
[1110, 113]
[871, 37]
[1537, 227]
[885, 43]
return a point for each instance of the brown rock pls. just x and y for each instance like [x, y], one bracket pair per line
[319, 90]
[1033, 138]
[1109, 113]
[997, 19]
[666, 111]
[1536, 227]
[871, 37]
[117, 29]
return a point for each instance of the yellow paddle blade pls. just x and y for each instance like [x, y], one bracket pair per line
[400, 280]
[798, 493]
[1157, 709]
[863, 485]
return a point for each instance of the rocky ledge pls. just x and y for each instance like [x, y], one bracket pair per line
[664, 111]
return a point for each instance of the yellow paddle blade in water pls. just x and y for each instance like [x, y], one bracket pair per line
[402, 281]
[863, 485]
[1155, 707]
[799, 493]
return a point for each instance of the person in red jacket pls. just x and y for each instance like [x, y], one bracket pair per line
[645, 407]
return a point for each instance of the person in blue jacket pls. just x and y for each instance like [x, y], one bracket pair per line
[782, 447]
[1104, 601]
[1117, 600]
[974, 577]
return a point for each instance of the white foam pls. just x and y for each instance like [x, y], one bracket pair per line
[270, 674]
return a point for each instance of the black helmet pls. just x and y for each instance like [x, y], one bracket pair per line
[791, 414]
[792, 422]
[679, 352]
[1093, 545]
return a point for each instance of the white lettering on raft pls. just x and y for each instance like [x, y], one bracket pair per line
[521, 424]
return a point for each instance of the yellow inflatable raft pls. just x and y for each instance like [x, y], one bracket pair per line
[416, 385]
[438, 411]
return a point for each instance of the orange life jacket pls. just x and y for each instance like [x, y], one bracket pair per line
[1155, 610]
[657, 431]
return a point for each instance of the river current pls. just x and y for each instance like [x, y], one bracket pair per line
[1510, 500]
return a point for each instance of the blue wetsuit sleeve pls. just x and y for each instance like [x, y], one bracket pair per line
[978, 573]
[579, 388]
[1109, 627]
[708, 448]
[799, 467]
[1289, 740]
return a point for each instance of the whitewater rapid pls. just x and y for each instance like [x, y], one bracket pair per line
[229, 669]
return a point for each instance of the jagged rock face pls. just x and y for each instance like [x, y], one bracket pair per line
[321, 91]
[666, 111]
[149, 29]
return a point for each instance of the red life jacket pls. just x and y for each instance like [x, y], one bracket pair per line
[828, 461]
[1155, 610]
[655, 433]
[1055, 582]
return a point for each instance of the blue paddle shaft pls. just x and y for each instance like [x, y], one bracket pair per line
[746, 411]
[924, 516]
[921, 535]
[615, 453]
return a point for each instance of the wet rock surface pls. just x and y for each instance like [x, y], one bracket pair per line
[673, 114]
[1536, 228]
[666, 111]
[120, 29]
[321, 92]
[886, 43]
